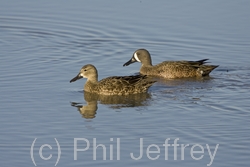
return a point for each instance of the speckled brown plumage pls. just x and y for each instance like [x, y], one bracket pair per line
[116, 85]
[170, 69]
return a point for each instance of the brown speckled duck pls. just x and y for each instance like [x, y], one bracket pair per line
[116, 85]
[170, 69]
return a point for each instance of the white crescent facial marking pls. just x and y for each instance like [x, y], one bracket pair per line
[136, 57]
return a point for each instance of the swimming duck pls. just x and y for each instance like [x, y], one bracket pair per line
[170, 69]
[115, 85]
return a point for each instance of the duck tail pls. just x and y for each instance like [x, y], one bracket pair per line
[206, 69]
[203, 61]
[199, 62]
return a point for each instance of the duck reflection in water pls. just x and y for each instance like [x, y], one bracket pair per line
[88, 111]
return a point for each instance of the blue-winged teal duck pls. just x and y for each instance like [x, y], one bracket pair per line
[116, 85]
[170, 69]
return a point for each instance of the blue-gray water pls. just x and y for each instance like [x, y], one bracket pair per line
[44, 44]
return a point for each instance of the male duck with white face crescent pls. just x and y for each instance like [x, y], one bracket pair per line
[170, 69]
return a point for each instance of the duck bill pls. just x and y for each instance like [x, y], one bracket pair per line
[76, 78]
[132, 60]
